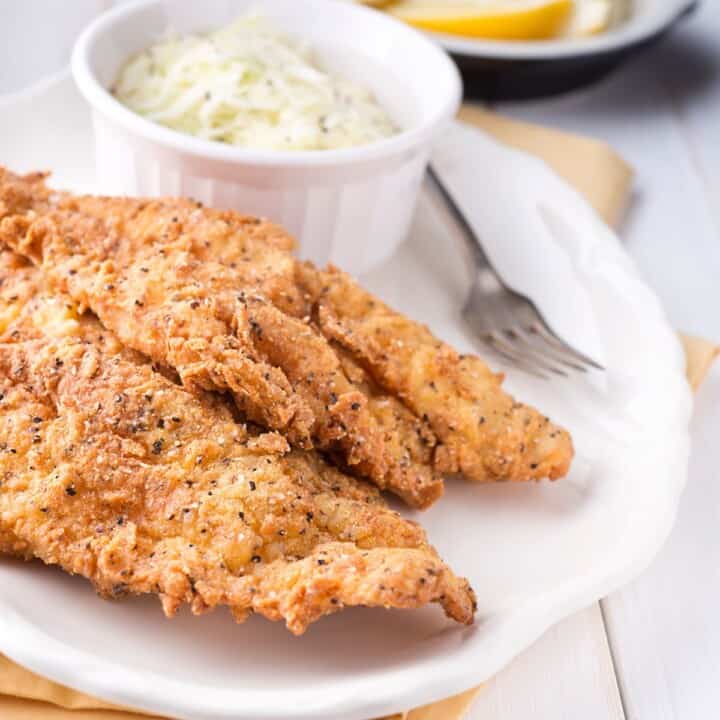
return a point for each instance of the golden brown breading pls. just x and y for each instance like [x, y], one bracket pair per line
[145, 269]
[406, 436]
[472, 425]
[385, 441]
[116, 473]
[482, 431]
[170, 308]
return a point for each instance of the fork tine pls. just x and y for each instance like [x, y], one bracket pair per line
[489, 294]
[506, 351]
[542, 330]
[549, 351]
[531, 353]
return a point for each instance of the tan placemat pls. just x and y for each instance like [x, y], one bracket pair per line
[605, 180]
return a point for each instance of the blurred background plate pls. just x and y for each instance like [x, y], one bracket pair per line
[515, 70]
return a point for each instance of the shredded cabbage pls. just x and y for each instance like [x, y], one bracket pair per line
[248, 84]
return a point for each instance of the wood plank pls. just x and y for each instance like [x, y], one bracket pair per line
[565, 675]
[664, 627]
[690, 73]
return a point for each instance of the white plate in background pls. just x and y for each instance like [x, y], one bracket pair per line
[646, 19]
[534, 553]
[516, 70]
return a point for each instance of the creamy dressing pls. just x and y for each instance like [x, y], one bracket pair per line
[250, 85]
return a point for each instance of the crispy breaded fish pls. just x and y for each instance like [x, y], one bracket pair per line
[230, 325]
[294, 317]
[114, 472]
[482, 431]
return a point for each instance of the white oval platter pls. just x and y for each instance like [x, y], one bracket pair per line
[534, 553]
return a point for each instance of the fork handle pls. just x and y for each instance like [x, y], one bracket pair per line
[442, 198]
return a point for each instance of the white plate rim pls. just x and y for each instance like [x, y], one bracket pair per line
[408, 687]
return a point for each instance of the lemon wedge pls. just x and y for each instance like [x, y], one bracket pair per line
[590, 17]
[374, 3]
[494, 19]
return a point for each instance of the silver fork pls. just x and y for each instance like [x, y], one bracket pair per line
[507, 322]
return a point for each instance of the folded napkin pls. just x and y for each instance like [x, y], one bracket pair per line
[605, 180]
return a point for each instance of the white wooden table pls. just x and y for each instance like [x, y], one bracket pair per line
[652, 650]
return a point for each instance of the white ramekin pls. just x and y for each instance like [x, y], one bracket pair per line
[352, 207]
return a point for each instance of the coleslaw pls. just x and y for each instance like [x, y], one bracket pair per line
[250, 85]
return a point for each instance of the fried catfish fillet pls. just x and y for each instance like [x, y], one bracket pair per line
[482, 431]
[455, 403]
[234, 323]
[116, 473]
